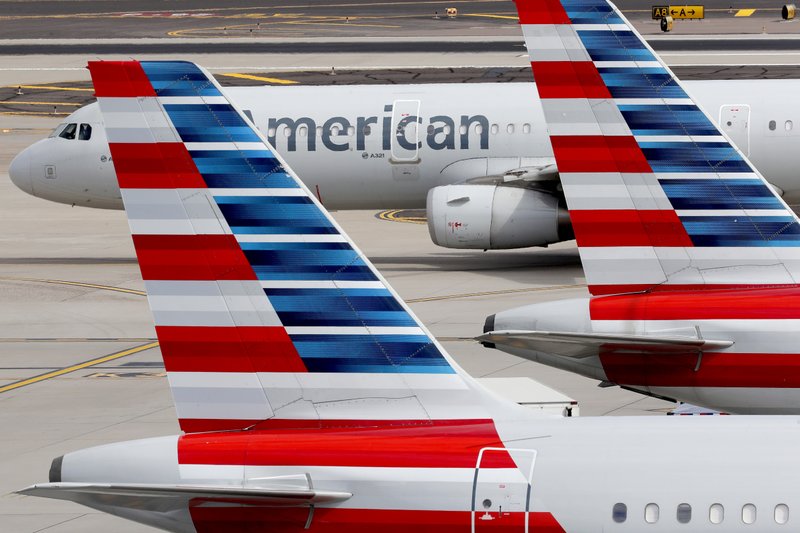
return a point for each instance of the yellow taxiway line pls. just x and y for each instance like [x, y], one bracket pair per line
[393, 215]
[493, 293]
[278, 81]
[51, 87]
[22, 102]
[79, 366]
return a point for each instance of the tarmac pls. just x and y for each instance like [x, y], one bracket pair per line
[78, 364]
[71, 292]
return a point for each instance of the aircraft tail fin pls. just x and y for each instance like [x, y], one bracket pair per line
[658, 195]
[265, 310]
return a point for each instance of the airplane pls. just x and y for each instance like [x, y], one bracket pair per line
[691, 258]
[310, 396]
[481, 167]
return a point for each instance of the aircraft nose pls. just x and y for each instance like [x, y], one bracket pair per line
[20, 171]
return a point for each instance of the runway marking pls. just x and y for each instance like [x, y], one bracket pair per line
[78, 284]
[75, 339]
[744, 12]
[51, 87]
[394, 215]
[494, 293]
[491, 16]
[279, 81]
[28, 113]
[76, 367]
[22, 102]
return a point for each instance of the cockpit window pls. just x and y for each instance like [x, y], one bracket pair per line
[56, 132]
[85, 132]
[69, 131]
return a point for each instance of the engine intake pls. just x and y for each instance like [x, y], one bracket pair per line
[491, 217]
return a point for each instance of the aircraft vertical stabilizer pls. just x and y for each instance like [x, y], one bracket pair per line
[658, 195]
[267, 314]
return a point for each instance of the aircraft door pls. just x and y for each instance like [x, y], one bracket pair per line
[501, 494]
[734, 119]
[406, 131]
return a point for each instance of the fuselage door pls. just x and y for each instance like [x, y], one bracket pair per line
[501, 495]
[405, 135]
[734, 119]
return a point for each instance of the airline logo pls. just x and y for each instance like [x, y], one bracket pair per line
[341, 134]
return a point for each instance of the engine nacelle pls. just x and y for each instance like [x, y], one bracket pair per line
[494, 217]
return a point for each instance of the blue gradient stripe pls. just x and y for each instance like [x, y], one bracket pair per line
[667, 120]
[275, 215]
[338, 307]
[718, 193]
[209, 123]
[610, 45]
[178, 78]
[693, 157]
[412, 354]
[742, 231]
[590, 12]
[241, 169]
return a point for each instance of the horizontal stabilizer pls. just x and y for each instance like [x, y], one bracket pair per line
[156, 497]
[587, 344]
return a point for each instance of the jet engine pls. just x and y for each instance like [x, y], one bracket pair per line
[495, 217]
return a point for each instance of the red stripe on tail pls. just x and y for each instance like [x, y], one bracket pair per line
[120, 79]
[598, 153]
[191, 258]
[228, 349]
[568, 79]
[155, 166]
[542, 12]
[628, 228]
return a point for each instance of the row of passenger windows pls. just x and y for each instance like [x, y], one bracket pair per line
[716, 513]
[788, 125]
[72, 131]
[494, 129]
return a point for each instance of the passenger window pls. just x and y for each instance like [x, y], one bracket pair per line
[526, 128]
[495, 129]
[351, 131]
[478, 129]
[651, 513]
[367, 130]
[462, 129]
[271, 132]
[781, 513]
[716, 513]
[302, 131]
[748, 513]
[619, 513]
[510, 128]
[772, 125]
[85, 132]
[69, 132]
[788, 125]
[684, 513]
[287, 132]
[431, 129]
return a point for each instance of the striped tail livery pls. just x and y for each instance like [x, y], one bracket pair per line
[691, 258]
[313, 400]
[295, 369]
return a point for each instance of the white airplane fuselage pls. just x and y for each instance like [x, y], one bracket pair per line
[386, 146]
